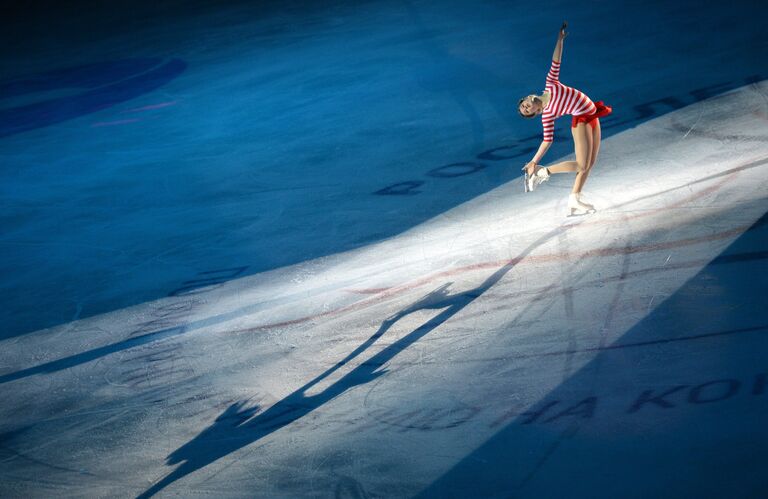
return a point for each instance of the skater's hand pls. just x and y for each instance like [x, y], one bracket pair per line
[530, 167]
[563, 34]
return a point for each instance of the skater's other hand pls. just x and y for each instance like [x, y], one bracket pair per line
[563, 33]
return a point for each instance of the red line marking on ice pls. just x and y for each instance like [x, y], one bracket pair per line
[371, 291]
[150, 107]
[113, 123]
[708, 190]
[535, 259]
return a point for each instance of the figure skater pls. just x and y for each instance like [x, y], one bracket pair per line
[558, 100]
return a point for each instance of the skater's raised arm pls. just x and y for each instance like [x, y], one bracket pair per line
[557, 55]
[554, 70]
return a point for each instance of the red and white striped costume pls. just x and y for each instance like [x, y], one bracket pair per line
[563, 100]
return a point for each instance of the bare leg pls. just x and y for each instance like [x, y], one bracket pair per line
[596, 135]
[581, 142]
[564, 167]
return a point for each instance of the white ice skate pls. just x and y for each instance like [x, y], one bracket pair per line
[580, 199]
[532, 181]
[576, 207]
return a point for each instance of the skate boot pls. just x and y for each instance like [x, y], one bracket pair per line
[540, 175]
[580, 199]
[575, 207]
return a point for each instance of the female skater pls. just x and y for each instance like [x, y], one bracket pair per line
[558, 100]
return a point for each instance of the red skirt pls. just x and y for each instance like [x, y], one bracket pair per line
[601, 110]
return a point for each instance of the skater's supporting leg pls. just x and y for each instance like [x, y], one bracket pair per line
[596, 135]
[582, 140]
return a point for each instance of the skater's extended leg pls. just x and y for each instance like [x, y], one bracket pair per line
[564, 167]
[582, 147]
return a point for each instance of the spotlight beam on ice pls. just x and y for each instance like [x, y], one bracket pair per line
[136, 341]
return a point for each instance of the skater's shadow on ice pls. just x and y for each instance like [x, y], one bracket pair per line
[239, 425]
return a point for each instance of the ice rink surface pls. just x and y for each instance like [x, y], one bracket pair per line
[283, 250]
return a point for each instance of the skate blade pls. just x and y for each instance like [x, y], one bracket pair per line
[581, 213]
